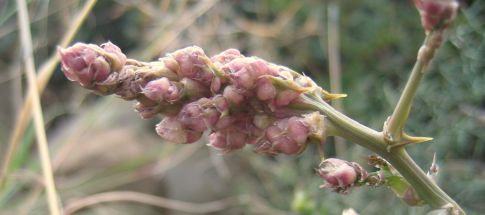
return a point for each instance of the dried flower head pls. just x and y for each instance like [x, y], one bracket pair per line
[241, 100]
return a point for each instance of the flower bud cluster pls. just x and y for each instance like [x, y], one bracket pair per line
[241, 100]
[341, 175]
[436, 13]
[89, 64]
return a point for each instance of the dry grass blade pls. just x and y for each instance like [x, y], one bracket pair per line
[45, 72]
[335, 69]
[26, 40]
[129, 196]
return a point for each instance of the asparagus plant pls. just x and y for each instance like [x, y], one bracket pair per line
[244, 100]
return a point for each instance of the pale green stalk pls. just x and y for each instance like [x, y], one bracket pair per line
[394, 126]
[385, 143]
[343, 126]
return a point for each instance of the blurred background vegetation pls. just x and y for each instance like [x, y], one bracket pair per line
[100, 145]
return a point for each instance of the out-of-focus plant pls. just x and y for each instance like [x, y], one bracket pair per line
[248, 101]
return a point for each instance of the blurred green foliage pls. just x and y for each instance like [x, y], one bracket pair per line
[379, 40]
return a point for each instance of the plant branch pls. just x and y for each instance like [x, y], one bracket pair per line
[394, 126]
[345, 127]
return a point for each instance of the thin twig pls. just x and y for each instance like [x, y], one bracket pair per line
[26, 40]
[45, 72]
[143, 198]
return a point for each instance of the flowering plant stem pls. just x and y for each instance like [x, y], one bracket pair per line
[380, 142]
[393, 129]
[343, 126]
[248, 101]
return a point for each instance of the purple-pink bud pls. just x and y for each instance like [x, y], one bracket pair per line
[193, 64]
[287, 135]
[252, 69]
[281, 143]
[76, 63]
[436, 13]
[228, 140]
[101, 69]
[147, 112]
[226, 56]
[162, 89]
[233, 95]
[119, 58]
[340, 175]
[172, 130]
[220, 103]
[265, 89]
[225, 121]
[89, 64]
[215, 85]
[199, 115]
[298, 130]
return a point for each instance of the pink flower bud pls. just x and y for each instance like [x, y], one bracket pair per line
[198, 115]
[285, 145]
[340, 175]
[130, 84]
[162, 90]
[279, 137]
[216, 85]
[265, 89]
[193, 64]
[90, 64]
[147, 112]
[224, 122]
[193, 136]
[255, 134]
[220, 103]
[298, 130]
[171, 64]
[76, 62]
[228, 140]
[173, 131]
[436, 13]
[119, 57]
[100, 68]
[233, 95]
[226, 56]
[252, 69]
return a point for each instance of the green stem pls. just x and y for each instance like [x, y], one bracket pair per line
[393, 129]
[345, 127]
